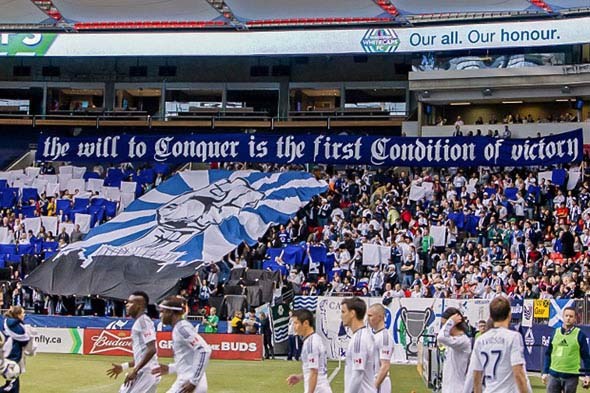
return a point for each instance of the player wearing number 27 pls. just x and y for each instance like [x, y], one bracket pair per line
[498, 356]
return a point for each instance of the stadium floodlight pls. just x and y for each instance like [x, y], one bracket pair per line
[459, 103]
[512, 102]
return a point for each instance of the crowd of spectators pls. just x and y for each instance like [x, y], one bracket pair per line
[35, 246]
[531, 242]
[509, 118]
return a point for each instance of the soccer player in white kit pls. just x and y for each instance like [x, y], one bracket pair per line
[143, 334]
[383, 347]
[457, 350]
[191, 352]
[359, 373]
[313, 355]
[498, 356]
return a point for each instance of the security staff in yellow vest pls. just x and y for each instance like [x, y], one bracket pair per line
[567, 357]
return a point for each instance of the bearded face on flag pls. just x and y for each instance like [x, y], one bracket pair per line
[195, 217]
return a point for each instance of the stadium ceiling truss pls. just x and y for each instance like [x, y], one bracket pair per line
[81, 15]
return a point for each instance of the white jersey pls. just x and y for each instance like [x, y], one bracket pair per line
[314, 357]
[494, 354]
[383, 351]
[457, 352]
[191, 354]
[143, 333]
[360, 356]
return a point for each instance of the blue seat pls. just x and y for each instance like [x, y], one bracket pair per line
[29, 193]
[3, 184]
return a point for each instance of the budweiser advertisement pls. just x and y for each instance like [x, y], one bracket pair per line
[107, 342]
[224, 346]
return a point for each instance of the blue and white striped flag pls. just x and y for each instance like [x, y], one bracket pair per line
[305, 303]
[194, 217]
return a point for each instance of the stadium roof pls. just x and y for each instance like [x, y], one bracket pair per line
[243, 14]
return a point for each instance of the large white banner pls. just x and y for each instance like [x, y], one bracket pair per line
[58, 340]
[548, 32]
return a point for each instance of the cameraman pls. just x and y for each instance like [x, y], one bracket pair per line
[458, 350]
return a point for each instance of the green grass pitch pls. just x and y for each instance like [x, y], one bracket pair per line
[55, 373]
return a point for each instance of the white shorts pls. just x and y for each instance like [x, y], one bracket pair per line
[201, 388]
[145, 382]
[385, 386]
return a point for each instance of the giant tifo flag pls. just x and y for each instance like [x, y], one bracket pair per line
[195, 217]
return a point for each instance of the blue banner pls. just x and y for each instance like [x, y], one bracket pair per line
[301, 149]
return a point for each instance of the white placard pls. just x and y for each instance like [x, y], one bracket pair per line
[438, 233]
[64, 179]
[78, 172]
[94, 184]
[128, 186]
[573, 178]
[65, 170]
[375, 255]
[40, 185]
[50, 224]
[76, 184]
[32, 224]
[5, 236]
[111, 193]
[84, 221]
[416, 193]
[32, 171]
[52, 190]
[126, 199]
[69, 227]
[547, 175]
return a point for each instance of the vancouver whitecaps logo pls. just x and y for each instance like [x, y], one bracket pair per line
[200, 216]
[380, 41]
